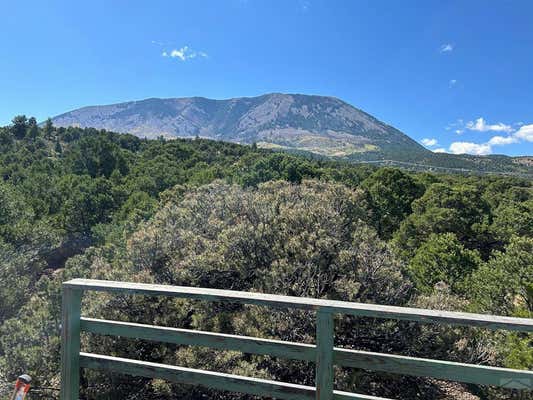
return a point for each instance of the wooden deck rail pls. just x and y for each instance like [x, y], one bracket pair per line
[323, 354]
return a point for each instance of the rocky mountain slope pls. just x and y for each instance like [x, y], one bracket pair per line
[322, 125]
[319, 125]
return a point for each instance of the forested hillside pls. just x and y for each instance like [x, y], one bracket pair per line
[87, 203]
[316, 125]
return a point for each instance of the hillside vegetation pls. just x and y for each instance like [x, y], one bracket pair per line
[88, 203]
[317, 125]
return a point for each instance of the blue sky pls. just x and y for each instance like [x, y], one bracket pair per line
[456, 73]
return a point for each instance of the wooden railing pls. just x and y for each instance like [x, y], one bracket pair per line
[323, 354]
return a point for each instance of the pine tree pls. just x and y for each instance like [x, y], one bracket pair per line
[58, 148]
[32, 131]
[19, 125]
[48, 129]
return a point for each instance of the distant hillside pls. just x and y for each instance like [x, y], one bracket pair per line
[320, 125]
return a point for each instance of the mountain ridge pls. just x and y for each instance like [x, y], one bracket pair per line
[315, 124]
[321, 124]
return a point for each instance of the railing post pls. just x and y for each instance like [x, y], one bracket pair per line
[70, 343]
[324, 355]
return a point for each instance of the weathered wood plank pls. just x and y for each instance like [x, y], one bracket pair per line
[340, 395]
[402, 365]
[209, 379]
[324, 355]
[244, 344]
[70, 343]
[333, 306]
[446, 370]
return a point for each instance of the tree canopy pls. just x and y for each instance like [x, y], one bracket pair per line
[91, 203]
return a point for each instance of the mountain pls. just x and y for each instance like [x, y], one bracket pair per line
[318, 125]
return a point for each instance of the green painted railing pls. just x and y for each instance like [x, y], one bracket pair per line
[323, 354]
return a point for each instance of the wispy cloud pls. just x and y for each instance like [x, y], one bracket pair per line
[447, 48]
[304, 5]
[429, 142]
[455, 125]
[481, 125]
[184, 53]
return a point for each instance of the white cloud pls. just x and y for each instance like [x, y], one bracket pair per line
[453, 82]
[480, 125]
[470, 148]
[181, 53]
[502, 140]
[429, 142]
[446, 48]
[525, 133]
[440, 150]
[459, 131]
[184, 53]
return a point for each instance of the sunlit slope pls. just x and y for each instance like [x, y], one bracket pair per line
[318, 124]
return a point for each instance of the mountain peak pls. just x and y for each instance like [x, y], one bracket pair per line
[318, 124]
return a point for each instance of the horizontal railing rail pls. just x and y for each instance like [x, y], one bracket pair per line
[323, 354]
[331, 306]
